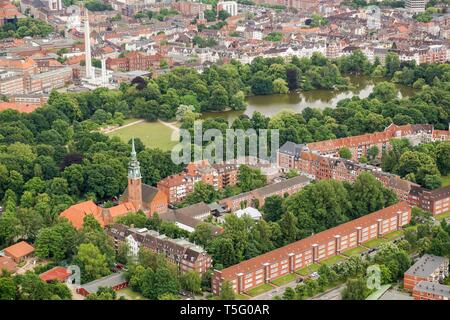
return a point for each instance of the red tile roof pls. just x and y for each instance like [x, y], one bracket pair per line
[20, 107]
[19, 250]
[57, 273]
[8, 264]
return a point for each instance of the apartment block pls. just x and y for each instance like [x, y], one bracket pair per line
[436, 201]
[426, 290]
[428, 268]
[290, 258]
[184, 254]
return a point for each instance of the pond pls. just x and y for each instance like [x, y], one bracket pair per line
[297, 100]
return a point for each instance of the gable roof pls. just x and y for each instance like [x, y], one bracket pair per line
[56, 273]
[76, 213]
[8, 264]
[19, 250]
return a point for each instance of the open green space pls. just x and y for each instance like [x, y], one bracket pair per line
[393, 235]
[241, 297]
[130, 294]
[284, 279]
[445, 180]
[256, 291]
[308, 270]
[152, 134]
[333, 260]
[374, 243]
[354, 251]
[443, 216]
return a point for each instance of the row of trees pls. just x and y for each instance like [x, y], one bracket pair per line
[423, 164]
[317, 207]
[26, 27]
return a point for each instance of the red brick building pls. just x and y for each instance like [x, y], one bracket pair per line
[426, 290]
[279, 262]
[436, 201]
[427, 268]
[176, 187]
[136, 60]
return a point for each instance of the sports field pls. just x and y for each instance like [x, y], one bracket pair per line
[152, 134]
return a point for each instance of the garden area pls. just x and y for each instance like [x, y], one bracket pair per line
[284, 279]
[259, 290]
[374, 243]
[354, 251]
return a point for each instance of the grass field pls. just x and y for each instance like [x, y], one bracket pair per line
[445, 180]
[259, 290]
[443, 216]
[308, 270]
[374, 243]
[332, 260]
[152, 134]
[354, 252]
[394, 234]
[130, 294]
[284, 279]
[241, 297]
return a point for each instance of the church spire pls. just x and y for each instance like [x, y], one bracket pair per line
[134, 168]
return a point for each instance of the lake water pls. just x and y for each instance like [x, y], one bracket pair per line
[298, 100]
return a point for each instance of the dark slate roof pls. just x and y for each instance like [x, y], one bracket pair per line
[433, 288]
[426, 265]
[108, 282]
[291, 148]
[275, 187]
[194, 210]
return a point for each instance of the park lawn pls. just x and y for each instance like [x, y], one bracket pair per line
[130, 294]
[308, 270]
[443, 216]
[333, 260]
[284, 279]
[393, 235]
[259, 290]
[354, 251]
[152, 134]
[130, 120]
[445, 180]
[374, 243]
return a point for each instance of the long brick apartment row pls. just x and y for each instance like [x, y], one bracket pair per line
[288, 259]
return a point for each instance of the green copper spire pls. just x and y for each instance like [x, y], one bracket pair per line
[134, 168]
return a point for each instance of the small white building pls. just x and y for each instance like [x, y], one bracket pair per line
[249, 211]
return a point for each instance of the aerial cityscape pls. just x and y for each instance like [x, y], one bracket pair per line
[211, 150]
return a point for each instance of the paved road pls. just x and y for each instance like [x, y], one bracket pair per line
[121, 127]
[333, 294]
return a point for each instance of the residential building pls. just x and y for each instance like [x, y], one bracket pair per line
[426, 290]
[11, 82]
[184, 254]
[415, 6]
[8, 264]
[256, 198]
[292, 257]
[231, 7]
[428, 268]
[436, 201]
